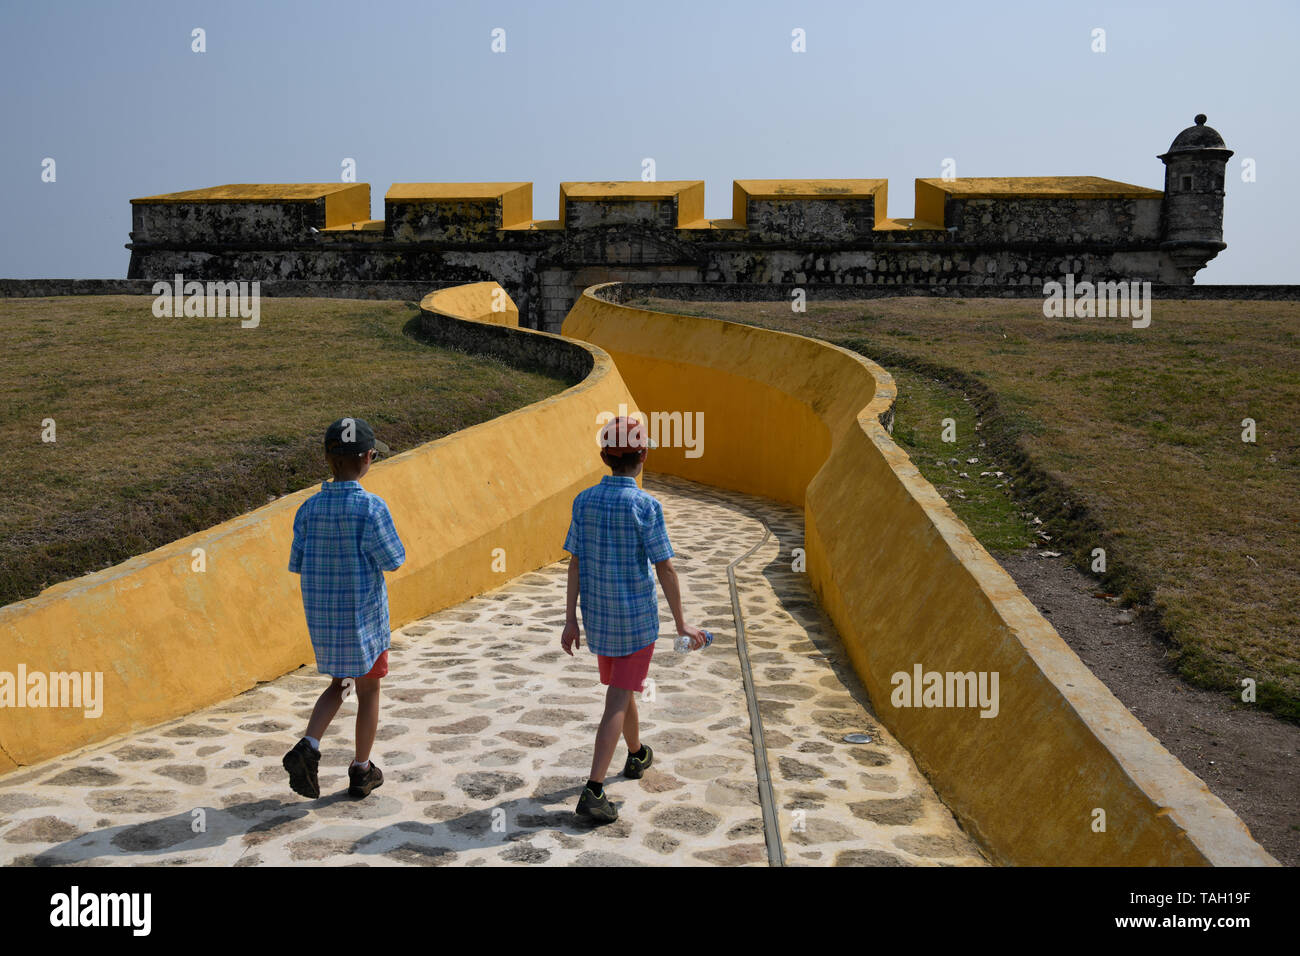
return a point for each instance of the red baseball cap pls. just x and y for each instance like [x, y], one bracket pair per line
[624, 434]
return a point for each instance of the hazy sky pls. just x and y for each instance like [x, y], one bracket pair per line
[586, 90]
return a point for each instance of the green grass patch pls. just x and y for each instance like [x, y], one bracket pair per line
[962, 470]
[165, 427]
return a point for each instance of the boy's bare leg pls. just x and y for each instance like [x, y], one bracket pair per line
[632, 725]
[367, 715]
[611, 727]
[327, 705]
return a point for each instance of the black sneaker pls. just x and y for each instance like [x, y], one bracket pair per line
[597, 807]
[634, 767]
[302, 762]
[363, 781]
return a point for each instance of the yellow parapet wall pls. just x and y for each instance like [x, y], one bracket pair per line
[169, 640]
[907, 584]
[479, 302]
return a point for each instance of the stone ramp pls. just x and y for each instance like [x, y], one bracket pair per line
[485, 739]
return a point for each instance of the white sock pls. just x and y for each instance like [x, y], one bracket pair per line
[315, 744]
[361, 766]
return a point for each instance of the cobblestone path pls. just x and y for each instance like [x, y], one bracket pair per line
[485, 740]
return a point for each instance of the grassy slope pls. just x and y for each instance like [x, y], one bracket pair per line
[169, 426]
[1127, 439]
[977, 486]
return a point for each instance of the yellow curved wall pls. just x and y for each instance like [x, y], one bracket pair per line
[476, 302]
[170, 640]
[905, 582]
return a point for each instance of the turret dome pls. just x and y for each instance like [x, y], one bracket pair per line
[1198, 136]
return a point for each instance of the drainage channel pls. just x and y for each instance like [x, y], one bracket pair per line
[771, 830]
[834, 786]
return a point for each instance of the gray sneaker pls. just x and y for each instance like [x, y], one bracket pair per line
[302, 762]
[634, 768]
[598, 808]
[362, 782]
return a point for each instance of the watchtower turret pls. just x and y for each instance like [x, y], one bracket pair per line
[1191, 218]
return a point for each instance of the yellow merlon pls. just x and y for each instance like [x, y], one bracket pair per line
[516, 198]
[344, 202]
[632, 189]
[689, 194]
[454, 191]
[257, 192]
[931, 193]
[809, 188]
[1057, 187]
[743, 190]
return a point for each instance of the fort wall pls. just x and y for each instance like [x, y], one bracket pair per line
[984, 232]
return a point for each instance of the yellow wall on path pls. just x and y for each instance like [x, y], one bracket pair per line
[906, 583]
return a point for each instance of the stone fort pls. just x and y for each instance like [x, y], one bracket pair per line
[970, 232]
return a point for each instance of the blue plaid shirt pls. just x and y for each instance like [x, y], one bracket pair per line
[617, 533]
[343, 542]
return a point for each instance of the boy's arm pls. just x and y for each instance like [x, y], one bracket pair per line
[570, 638]
[660, 553]
[295, 552]
[385, 546]
[672, 590]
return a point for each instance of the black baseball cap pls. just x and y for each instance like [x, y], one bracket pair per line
[351, 436]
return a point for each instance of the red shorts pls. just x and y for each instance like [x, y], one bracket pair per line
[381, 666]
[628, 672]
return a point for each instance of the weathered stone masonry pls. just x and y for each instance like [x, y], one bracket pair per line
[999, 232]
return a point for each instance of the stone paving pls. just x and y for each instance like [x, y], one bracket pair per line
[485, 737]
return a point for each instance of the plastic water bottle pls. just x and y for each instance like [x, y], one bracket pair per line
[683, 643]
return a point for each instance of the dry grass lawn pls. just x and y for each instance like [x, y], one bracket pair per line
[164, 427]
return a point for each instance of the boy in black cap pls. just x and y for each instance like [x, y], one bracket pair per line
[343, 541]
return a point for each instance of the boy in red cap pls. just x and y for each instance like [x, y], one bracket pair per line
[616, 534]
